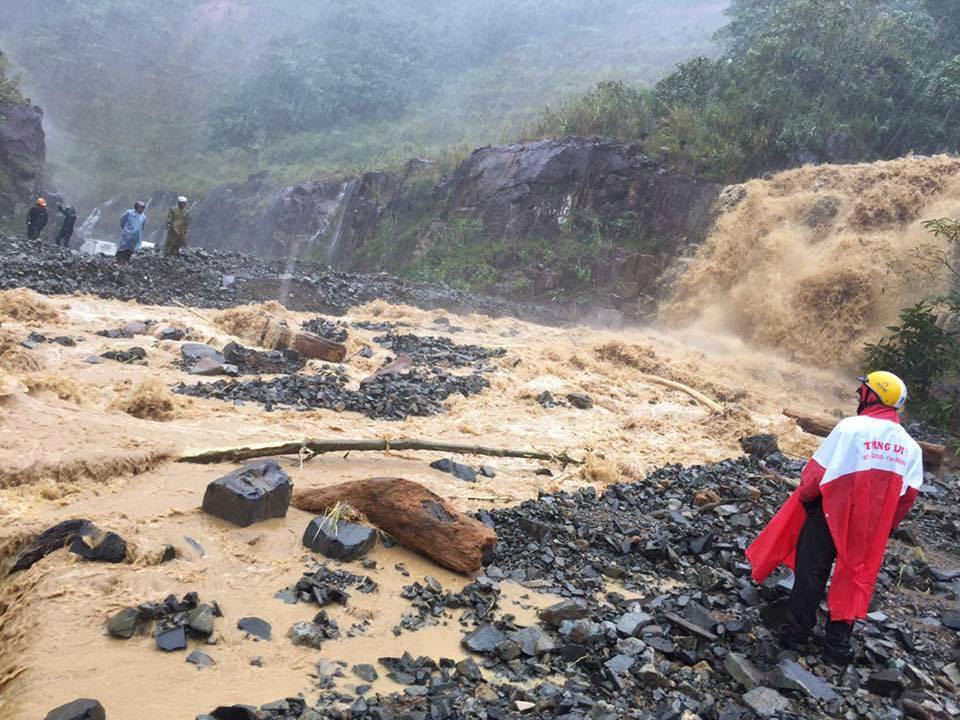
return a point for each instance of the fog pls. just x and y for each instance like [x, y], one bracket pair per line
[152, 94]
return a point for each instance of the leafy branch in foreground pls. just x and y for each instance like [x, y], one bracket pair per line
[924, 349]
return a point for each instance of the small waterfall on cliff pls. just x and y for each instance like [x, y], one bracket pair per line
[88, 227]
[342, 204]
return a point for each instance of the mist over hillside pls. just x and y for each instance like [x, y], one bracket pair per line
[192, 93]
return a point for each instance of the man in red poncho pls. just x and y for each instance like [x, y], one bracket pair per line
[853, 493]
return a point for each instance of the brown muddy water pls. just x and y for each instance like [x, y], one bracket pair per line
[98, 442]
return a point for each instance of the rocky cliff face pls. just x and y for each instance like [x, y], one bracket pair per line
[22, 154]
[559, 217]
[542, 189]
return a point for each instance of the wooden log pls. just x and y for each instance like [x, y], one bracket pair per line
[318, 447]
[933, 454]
[416, 517]
[279, 335]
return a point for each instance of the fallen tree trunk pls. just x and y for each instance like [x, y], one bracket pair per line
[327, 446]
[933, 454]
[674, 385]
[416, 517]
[279, 336]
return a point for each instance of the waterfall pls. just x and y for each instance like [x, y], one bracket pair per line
[342, 204]
[86, 228]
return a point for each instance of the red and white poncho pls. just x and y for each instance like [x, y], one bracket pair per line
[868, 471]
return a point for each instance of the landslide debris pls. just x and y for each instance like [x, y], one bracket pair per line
[196, 278]
[419, 392]
[659, 617]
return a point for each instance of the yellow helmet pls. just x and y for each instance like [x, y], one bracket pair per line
[889, 388]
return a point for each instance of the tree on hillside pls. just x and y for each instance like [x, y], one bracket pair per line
[804, 80]
[9, 86]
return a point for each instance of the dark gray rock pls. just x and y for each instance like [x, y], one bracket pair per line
[257, 492]
[172, 639]
[629, 624]
[255, 626]
[92, 543]
[699, 615]
[458, 470]
[888, 683]
[533, 642]
[508, 650]
[760, 446]
[235, 712]
[554, 615]
[192, 353]
[766, 702]
[743, 671]
[171, 333]
[83, 709]
[344, 540]
[208, 366]
[469, 669]
[619, 664]
[125, 624]
[484, 639]
[367, 673]
[200, 620]
[790, 675]
[945, 574]
[200, 659]
[307, 634]
[546, 399]
[580, 401]
[951, 619]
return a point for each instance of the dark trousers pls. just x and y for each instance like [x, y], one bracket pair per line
[63, 240]
[815, 555]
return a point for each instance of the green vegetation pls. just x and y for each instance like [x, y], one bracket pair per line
[188, 94]
[9, 86]
[799, 80]
[924, 349]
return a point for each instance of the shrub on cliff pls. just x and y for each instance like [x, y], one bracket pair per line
[9, 86]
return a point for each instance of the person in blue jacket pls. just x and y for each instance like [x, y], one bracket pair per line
[131, 232]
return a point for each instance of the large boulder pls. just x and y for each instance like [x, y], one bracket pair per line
[92, 543]
[339, 540]
[259, 491]
[83, 709]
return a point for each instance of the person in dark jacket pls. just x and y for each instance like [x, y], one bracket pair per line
[66, 227]
[36, 219]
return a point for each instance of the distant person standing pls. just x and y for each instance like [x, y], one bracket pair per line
[66, 227]
[36, 219]
[178, 220]
[131, 232]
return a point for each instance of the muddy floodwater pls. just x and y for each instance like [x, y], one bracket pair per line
[100, 441]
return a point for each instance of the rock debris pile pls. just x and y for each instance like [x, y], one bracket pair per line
[658, 617]
[197, 278]
[171, 622]
[436, 351]
[330, 330]
[388, 397]
[415, 391]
